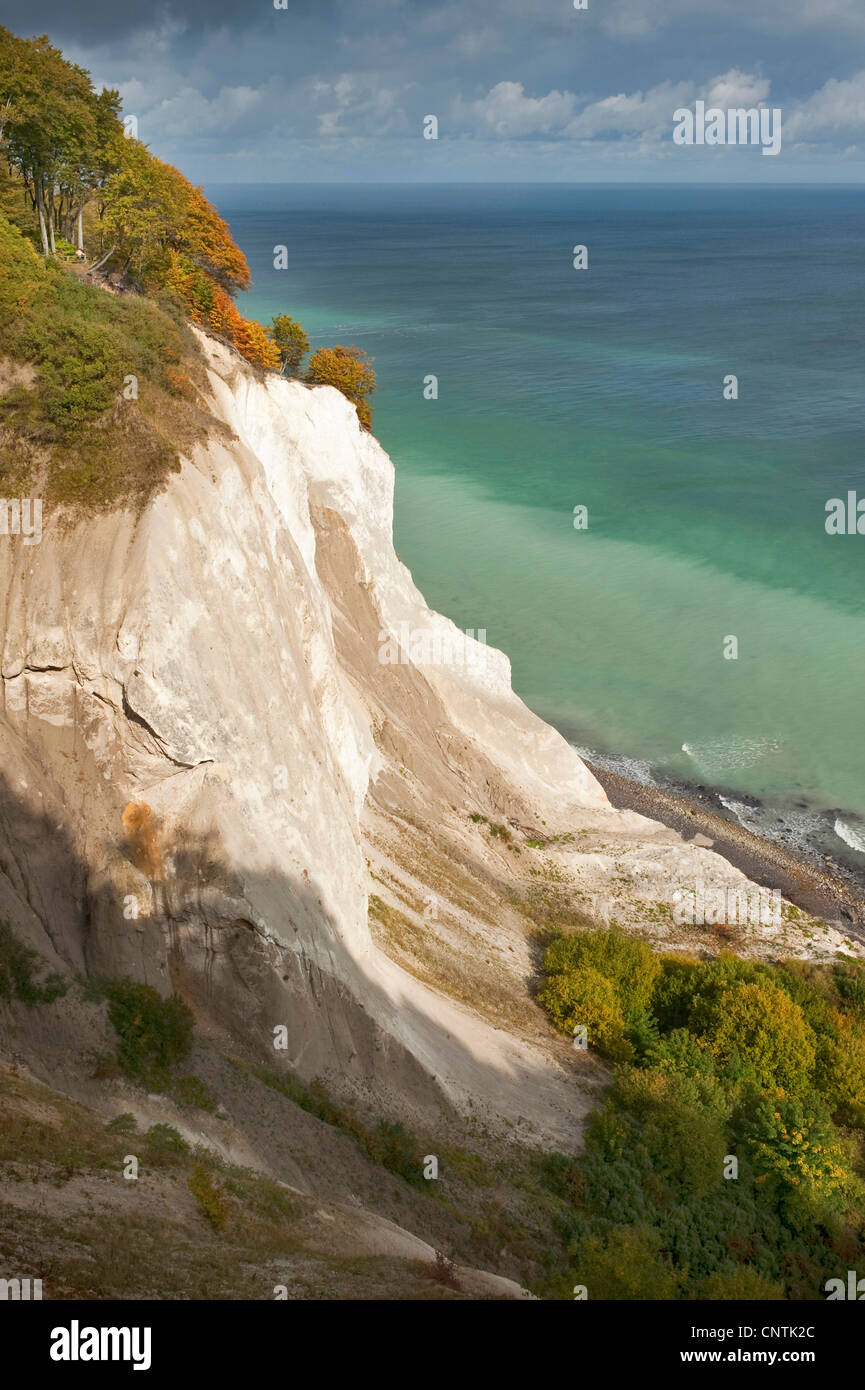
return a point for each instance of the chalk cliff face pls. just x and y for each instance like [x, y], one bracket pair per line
[234, 659]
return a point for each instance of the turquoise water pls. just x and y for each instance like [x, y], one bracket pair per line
[603, 388]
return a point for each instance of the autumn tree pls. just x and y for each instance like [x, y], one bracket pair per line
[65, 147]
[350, 371]
[165, 233]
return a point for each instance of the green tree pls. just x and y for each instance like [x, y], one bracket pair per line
[760, 1026]
[739, 1284]
[584, 998]
[291, 342]
[795, 1148]
[52, 127]
[627, 1264]
[840, 1073]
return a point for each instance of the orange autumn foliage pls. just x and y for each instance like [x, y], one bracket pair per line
[247, 336]
[173, 239]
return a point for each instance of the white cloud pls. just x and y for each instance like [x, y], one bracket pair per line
[836, 110]
[643, 114]
[507, 111]
[358, 106]
[185, 110]
[737, 88]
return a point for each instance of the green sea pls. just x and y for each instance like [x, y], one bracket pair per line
[604, 388]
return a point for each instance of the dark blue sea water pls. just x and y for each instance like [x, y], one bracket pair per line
[603, 388]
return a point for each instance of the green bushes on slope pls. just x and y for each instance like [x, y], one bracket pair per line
[108, 392]
[153, 1034]
[727, 1159]
[20, 971]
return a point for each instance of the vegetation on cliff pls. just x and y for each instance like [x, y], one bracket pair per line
[99, 394]
[727, 1161]
[350, 371]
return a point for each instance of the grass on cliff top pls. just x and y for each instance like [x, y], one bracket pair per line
[109, 390]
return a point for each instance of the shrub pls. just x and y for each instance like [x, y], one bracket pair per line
[795, 1147]
[165, 1141]
[209, 1197]
[840, 1073]
[18, 973]
[680, 1051]
[396, 1149]
[850, 983]
[624, 960]
[153, 1033]
[676, 1130]
[350, 371]
[627, 1264]
[604, 981]
[587, 999]
[122, 1124]
[739, 1284]
[760, 1028]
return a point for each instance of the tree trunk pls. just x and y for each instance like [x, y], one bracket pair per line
[80, 241]
[103, 259]
[40, 208]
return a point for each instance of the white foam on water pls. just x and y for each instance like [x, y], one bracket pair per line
[729, 754]
[634, 768]
[851, 837]
[747, 816]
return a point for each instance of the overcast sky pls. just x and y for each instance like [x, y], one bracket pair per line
[238, 91]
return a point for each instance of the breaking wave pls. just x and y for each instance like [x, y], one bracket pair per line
[851, 837]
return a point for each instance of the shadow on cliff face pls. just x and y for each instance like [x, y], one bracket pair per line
[194, 929]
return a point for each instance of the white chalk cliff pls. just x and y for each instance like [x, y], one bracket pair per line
[217, 657]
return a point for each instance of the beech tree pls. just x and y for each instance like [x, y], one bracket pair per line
[350, 371]
[290, 341]
[53, 127]
[65, 147]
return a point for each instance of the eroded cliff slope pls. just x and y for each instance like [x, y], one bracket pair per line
[223, 659]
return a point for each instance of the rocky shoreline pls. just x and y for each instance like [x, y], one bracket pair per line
[830, 891]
